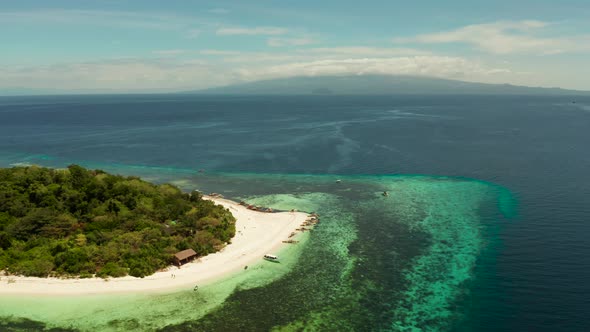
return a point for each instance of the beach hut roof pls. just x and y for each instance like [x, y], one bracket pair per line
[181, 255]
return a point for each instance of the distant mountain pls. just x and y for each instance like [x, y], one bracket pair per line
[330, 85]
[378, 85]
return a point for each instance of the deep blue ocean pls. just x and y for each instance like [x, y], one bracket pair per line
[525, 270]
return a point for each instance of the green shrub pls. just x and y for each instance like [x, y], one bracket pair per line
[81, 222]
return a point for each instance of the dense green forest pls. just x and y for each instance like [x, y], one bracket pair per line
[78, 222]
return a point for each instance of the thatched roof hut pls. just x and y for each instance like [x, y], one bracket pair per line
[185, 256]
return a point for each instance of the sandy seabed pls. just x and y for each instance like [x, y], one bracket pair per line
[257, 233]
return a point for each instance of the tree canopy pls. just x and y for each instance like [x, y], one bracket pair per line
[79, 222]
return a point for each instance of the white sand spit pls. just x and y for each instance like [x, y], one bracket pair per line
[257, 233]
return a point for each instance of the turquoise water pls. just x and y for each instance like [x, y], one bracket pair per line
[439, 253]
[145, 312]
[401, 263]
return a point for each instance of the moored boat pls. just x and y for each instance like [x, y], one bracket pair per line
[271, 258]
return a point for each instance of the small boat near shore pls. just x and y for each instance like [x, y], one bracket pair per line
[271, 258]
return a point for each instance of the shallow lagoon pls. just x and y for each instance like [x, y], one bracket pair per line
[400, 262]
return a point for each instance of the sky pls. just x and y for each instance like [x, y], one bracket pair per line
[174, 45]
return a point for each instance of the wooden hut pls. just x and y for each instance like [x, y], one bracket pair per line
[185, 256]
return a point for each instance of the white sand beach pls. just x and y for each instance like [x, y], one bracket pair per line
[257, 233]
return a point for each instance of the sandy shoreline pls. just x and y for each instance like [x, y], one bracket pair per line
[257, 233]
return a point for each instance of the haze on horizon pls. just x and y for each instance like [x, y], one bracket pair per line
[152, 46]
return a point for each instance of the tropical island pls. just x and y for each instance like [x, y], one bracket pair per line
[85, 223]
[75, 231]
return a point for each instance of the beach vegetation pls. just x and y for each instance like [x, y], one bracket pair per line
[78, 222]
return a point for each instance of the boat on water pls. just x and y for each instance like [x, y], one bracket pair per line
[271, 258]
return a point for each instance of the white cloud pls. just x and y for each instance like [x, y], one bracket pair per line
[265, 31]
[120, 75]
[218, 11]
[93, 17]
[219, 52]
[365, 51]
[193, 33]
[169, 52]
[253, 58]
[506, 37]
[168, 74]
[102, 18]
[315, 54]
[278, 42]
[437, 66]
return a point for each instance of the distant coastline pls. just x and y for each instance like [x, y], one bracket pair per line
[353, 85]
